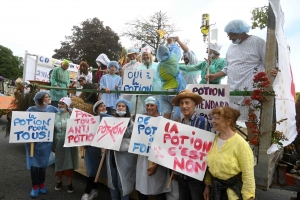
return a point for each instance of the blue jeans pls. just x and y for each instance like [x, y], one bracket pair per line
[190, 188]
[117, 185]
[38, 175]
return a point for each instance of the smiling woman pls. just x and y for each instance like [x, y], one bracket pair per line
[230, 160]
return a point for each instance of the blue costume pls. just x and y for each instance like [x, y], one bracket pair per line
[110, 82]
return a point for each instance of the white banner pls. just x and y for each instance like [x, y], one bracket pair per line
[181, 148]
[283, 84]
[110, 133]
[47, 61]
[143, 133]
[214, 95]
[31, 127]
[138, 80]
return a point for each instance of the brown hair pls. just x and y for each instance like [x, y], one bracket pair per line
[85, 67]
[227, 113]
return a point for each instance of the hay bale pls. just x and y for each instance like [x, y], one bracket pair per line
[81, 105]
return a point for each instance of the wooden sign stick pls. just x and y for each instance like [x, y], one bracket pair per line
[171, 177]
[82, 152]
[100, 167]
[31, 149]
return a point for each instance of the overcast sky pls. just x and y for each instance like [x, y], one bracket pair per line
[39, 26]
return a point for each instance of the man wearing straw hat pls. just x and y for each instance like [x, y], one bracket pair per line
[190, 188]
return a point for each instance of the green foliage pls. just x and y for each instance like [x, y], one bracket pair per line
[88, 41]
[11, 66]
[259, 17]
[144, 31]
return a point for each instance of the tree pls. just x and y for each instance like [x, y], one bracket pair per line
[10, 66]
[259, 17]
[152, 31]
[88, 41]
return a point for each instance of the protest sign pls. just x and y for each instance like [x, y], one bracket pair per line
[181, 148]
[31, 127]
[214, 95]
[81, 128]
[76, 113]
[110, 133]
[138, 80]
[144, 129]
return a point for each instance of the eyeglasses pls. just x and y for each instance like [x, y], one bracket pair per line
[230, 35]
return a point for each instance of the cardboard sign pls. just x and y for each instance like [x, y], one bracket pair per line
[181, 148]
[80, 131]
[110, 133]
[138, 80]
[31, 127]
[214, 95]
[145, 127]
[81, 128]
[5, 102]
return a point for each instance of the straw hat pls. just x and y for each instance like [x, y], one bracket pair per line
[186, 94]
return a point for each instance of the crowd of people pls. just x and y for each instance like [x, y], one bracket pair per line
[230, 172]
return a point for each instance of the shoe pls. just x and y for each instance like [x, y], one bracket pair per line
[93, 194]
[70, 188]
[85, 197]
[58, 186]
[34, 193]
[43, 190]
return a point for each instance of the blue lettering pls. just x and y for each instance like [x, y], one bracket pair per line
[26, 136]
[18, 134]
[136, 146]
[22, 122]
[42, 135]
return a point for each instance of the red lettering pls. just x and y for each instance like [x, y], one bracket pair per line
[166, 137]
[183, 137]
[172, 151]
[70, 137]
[206, 146]
[174, 129]
[175, 140]
[178, 163]
[198, 144]
[184, 151]
[193, 154]
[202, 155]
[189, 166]
[91, 137]
[167, 127]
[77, 129]
[198, 166]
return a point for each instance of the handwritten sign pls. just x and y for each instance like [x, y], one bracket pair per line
[213, 96]
[138, 80]
[110, 133]
[144, 129]
[31, 127]
[181, 148]
[81, 128]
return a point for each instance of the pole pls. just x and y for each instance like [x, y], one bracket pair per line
[136, 103]
[100, 167]
[209, 62]
[264, 169]
[31, 149]
[170, 180]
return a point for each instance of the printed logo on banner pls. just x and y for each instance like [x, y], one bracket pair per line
[214, 95]
[31, 127]
[110, 133]
[181, 148]
[81, 128]
[144, 129]
[138, 80]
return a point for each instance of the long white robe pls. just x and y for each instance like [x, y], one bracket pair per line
[242, 60]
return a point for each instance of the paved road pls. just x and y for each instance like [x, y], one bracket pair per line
[15, 181]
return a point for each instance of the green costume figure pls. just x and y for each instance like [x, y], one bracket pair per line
[217, 64]
[60, 78]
